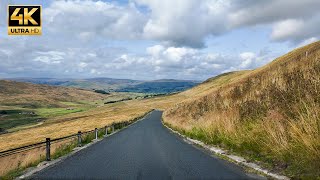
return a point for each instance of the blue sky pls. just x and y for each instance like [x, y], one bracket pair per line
[152, 39]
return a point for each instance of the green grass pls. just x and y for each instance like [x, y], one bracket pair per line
[21, 121]
[64, 150]
[250, 150]
[13, 174]
[224, 142]
[71, 103]
[14, 118]
[269, 115]
[54, 112]
[90, 103]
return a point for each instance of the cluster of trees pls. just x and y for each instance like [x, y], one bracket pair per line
[101, 91]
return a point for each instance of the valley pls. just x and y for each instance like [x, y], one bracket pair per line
[161, 86]
[269, 115]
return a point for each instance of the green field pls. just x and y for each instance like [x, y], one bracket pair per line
[16, 117]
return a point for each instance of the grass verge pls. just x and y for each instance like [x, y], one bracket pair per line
[64, 149]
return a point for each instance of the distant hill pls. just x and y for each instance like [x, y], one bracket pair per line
[159, 86]
[116, 85]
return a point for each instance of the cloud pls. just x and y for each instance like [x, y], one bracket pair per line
[3, 11]
[35, 57]
[50, 57]
[287, 28]
[190, 22]
[179, 23]
[186, 63]
[250, 60]
[308, 41]
[291, 20]
[296, 30]
[98, 38]
[184, 22]
[270, 11]
[247, 59]
[92, 19]
[158, 61]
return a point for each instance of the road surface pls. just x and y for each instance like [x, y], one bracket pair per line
[145, 150]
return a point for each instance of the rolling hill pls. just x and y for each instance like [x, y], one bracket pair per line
[23, 104]
[29, 95]
[159, 86]
[117, 85]
[270, 114]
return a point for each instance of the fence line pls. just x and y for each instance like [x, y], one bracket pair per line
[17, 159]
[47, 143]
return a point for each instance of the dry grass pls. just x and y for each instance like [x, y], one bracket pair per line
[34, 96]
[71, 124]
[65, 125]
[270, 114]
[11, 162]
[84, 121]
[32, 157]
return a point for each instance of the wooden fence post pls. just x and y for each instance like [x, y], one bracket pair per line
[79, 139]
[96, 133]
[48, 149]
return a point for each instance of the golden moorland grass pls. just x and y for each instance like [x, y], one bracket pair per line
[34, 96]
[31, 157]
[270, 114]
[70, 124]
[95, 118]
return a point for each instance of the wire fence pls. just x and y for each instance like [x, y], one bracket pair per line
[52, 148]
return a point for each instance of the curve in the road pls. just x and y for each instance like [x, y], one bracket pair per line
[145, 150]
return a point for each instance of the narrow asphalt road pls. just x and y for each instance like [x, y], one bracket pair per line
[145, 150]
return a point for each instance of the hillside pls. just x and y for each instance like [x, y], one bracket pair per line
[23, 104]
[34, 96]
[159, 86]
[270, 114]
[116, 85]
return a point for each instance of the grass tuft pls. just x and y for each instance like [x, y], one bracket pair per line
[269, 115]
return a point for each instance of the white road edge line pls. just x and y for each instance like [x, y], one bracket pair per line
[235, 158]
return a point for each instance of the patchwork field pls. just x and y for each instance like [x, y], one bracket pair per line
[26, 105]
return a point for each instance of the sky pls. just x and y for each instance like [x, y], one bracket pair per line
[156, 39]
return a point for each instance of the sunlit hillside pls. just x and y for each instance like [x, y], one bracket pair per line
[270, 114]
[33, 96]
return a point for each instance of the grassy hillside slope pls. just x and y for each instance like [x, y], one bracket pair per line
[97, 117]
[25, 104]
[271, 114]
[34, 96]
